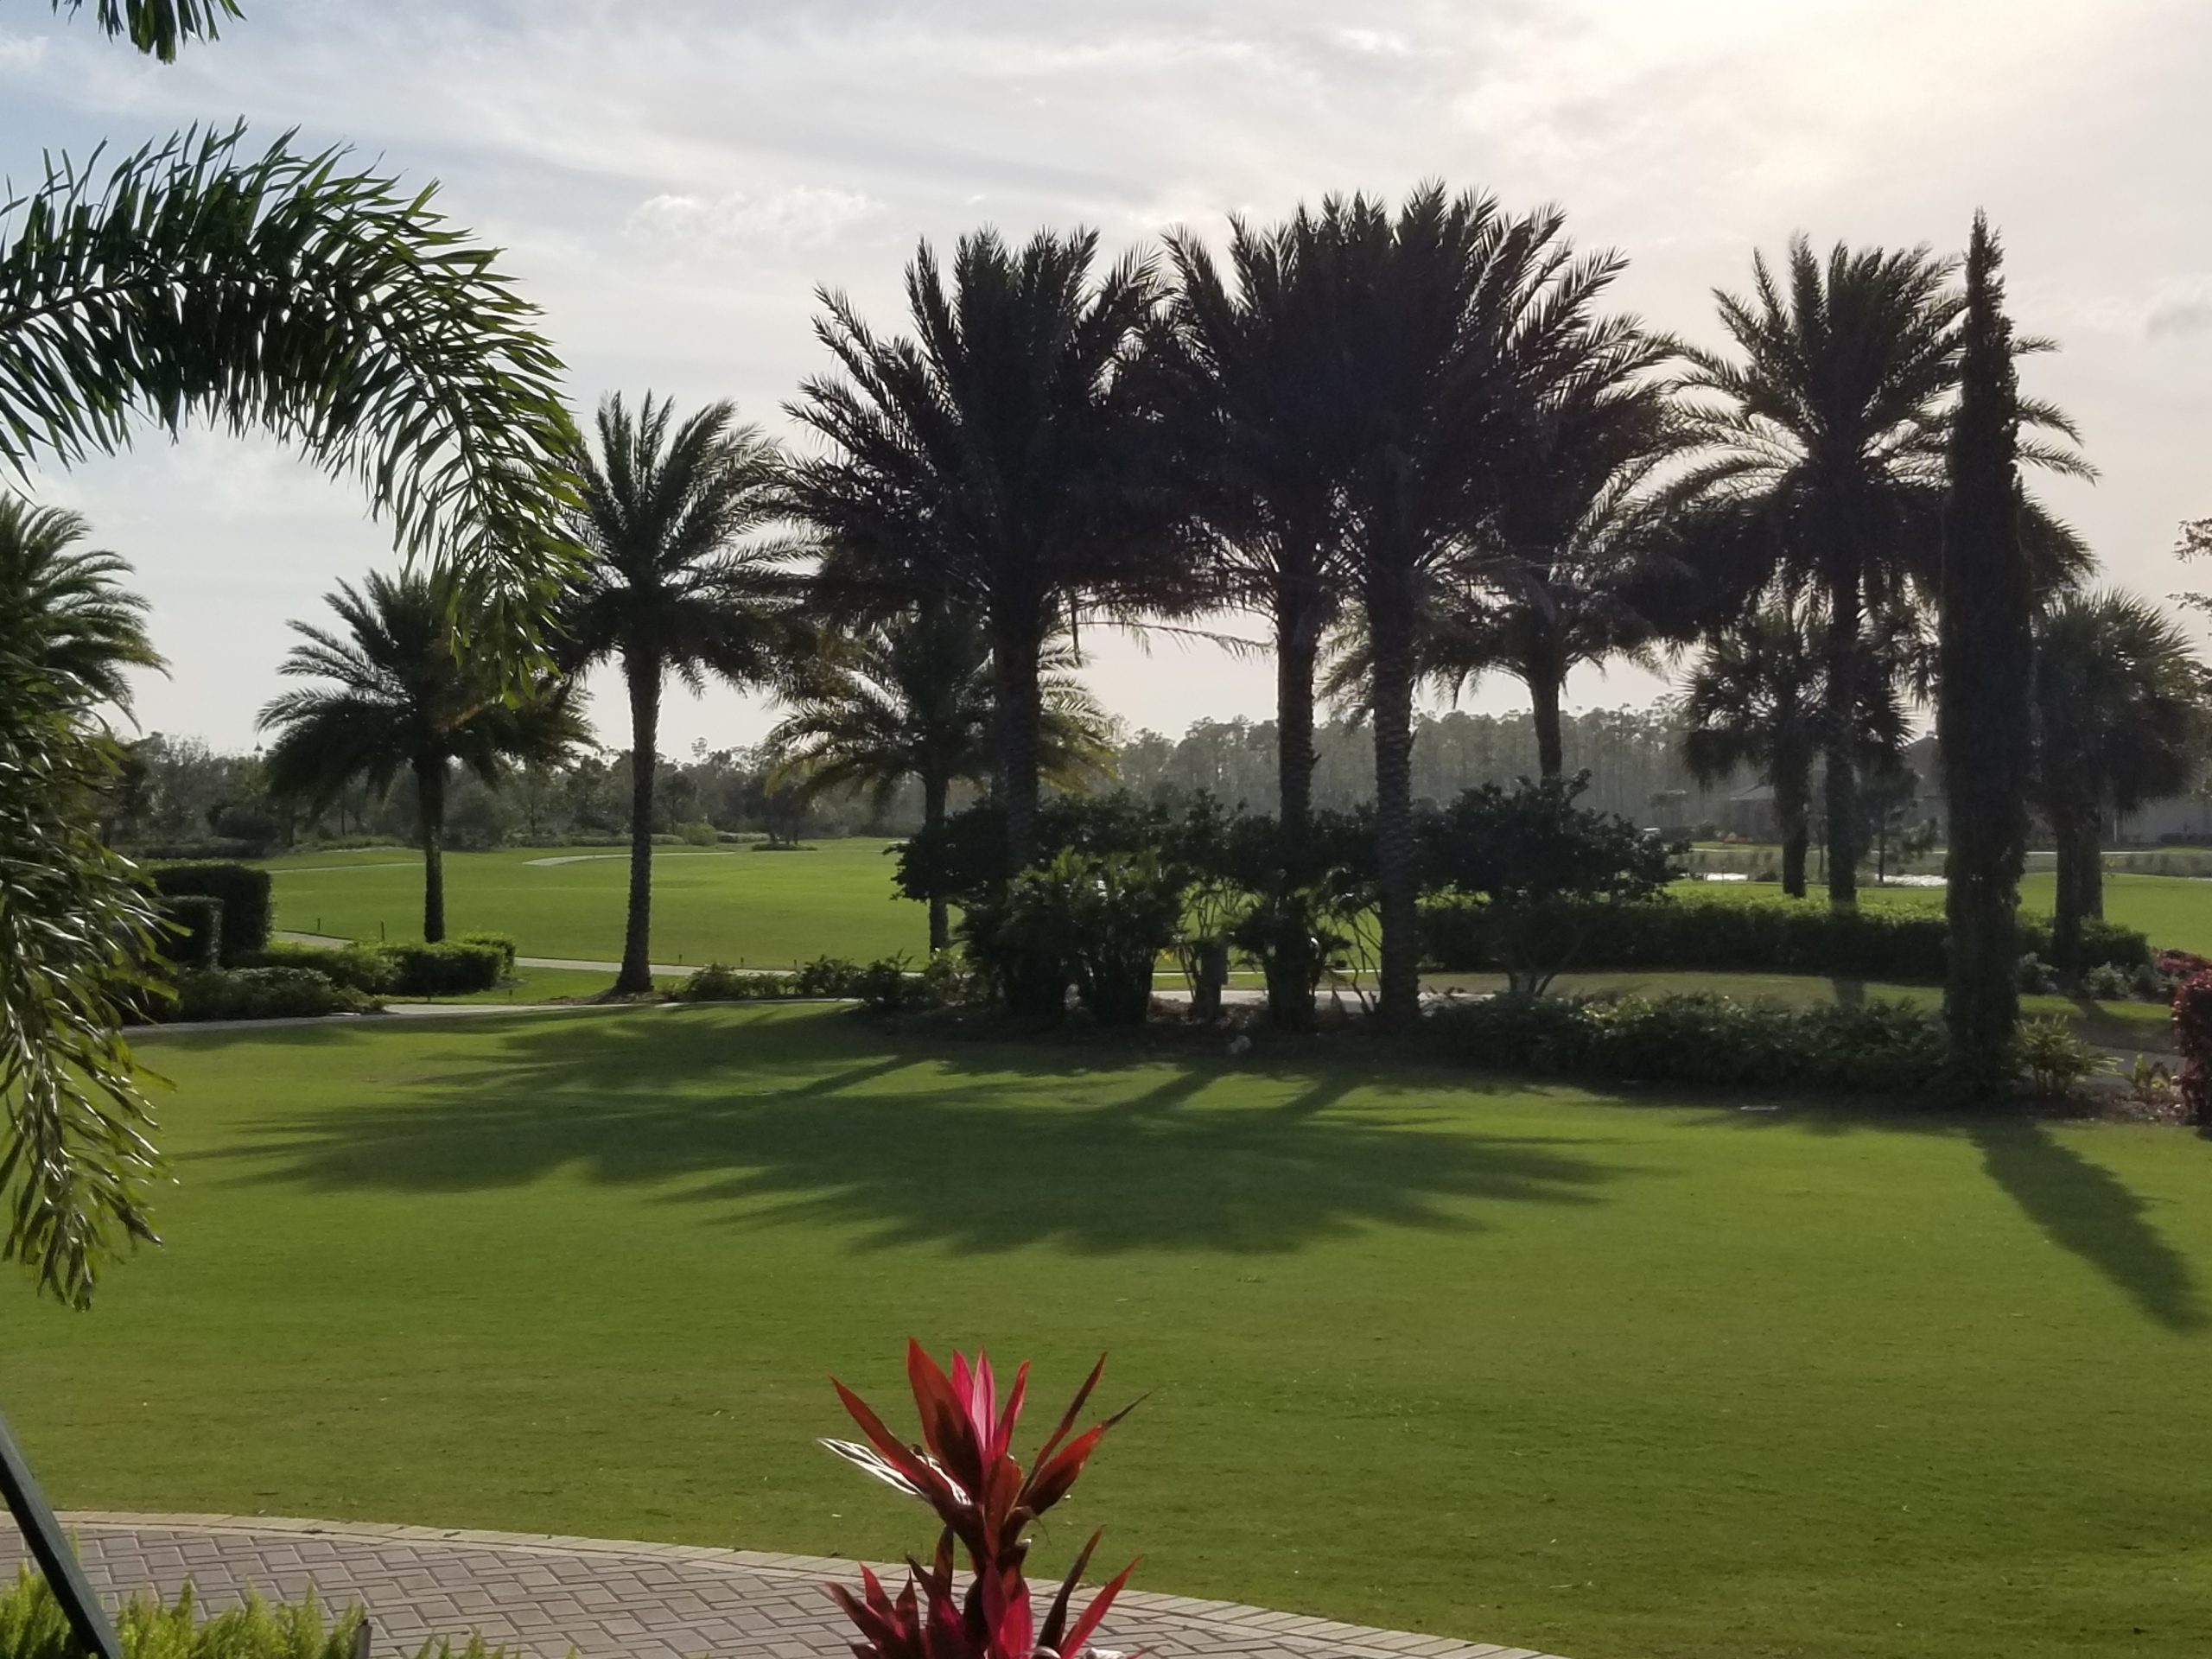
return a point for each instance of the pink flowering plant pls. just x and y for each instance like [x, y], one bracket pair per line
[964, 1469]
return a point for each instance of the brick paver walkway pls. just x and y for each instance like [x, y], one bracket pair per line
[547, 1597]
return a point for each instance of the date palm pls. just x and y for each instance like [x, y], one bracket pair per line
[402, 692]
[1453, 324]
[910, 698]
[298, 293]
[1824, 447]
[993, 460]
[672, 580]
[64, 615]
[1241, 368]
[2122, 707]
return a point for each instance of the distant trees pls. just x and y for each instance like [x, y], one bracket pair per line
[669, 583]
[400, 694]
[1754, 702]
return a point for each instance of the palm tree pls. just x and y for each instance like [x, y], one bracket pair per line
[1824, 458]
[910, 698]
[2120, 717]
[63, 615]
[406, 695]
[992, 462]
[1241, 375]
[668, 583]
[326, 304]
[1753, 700]
[1452, 324]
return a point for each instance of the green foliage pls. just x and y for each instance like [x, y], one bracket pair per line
[451, 968]
[720, 982]
[2033, 973]
[32, 1626]
[63, 611]
[158, 27]
[1096, 920]
[2053, 1060]
[243, 891]
[1705, 1041]
[1752, 935]
[192, 930]
[258, 994]
[698, 833]
[503, 943]
[826, 977]
[331, 306]
[1544, 871]
[369, 969]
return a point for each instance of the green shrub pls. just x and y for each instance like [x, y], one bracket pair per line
[827, 976]
[720, 982]
[245, 892]
[503, 943]
[453, 968]
[700, 834]
[2037, 976]
[1703, 1041]
[1096, 920]
[2108, 982]
[193, 937]
[32, 1626]
[367, 968]
[258, 994]
[2053, 1061]
[1760, 935]
[887, 985]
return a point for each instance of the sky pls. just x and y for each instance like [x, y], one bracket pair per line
[673, 180]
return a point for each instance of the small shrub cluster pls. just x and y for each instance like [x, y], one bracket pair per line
[455, 968]
[257, 993]
[699, 833]
[2193, 1041]
[32, 1626]
[243, 891]
[720, 982]
[1762, 935]
[1703, 1041]
[2054, 1062]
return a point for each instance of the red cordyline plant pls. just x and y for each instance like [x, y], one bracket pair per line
[2193, 1040]
[964, 1469]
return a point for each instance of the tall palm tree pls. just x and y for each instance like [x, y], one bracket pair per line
[405, 694]
[1824, 450]
[326, 304]
[670, 584]
[993, 461]
[64, 616]
[2120, 707]
[1242, 371]
[1452, 324]
[910, 698]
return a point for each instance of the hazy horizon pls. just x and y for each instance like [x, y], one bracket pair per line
[671, 188]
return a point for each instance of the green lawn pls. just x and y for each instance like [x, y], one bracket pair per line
[1615, 1377]
[769, 909]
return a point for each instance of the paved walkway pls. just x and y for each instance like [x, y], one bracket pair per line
[600, 1600]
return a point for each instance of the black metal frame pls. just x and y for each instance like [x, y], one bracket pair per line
[49, 1548]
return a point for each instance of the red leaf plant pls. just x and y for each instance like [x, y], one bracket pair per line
[964, 1469]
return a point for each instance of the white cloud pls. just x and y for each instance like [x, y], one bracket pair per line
[21, 52]
[774, 221]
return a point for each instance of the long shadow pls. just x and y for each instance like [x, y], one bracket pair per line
[2087, 1210]
[978, 1148]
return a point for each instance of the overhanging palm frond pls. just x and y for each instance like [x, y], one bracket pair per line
[158, 27]
[325, 303]
[63, 615]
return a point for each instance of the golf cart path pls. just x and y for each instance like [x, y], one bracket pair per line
[603, 1598]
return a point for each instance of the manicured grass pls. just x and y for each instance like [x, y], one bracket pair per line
[769, 909]
[1614, 1377]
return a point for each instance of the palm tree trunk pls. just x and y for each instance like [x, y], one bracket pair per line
[1544, 688]
[935, 788]
[1839, 758]
[1793, 795]
[643, 671]
[2074, 849]
[1014, 672]
[1390, 630]
[430, 824]
[1298, 644]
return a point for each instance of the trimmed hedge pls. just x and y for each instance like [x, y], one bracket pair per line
[257, 993]
[193, 937]
[1754, 935]
[1705, 1041]
[244, 892]
[503, 943]
[455, 968]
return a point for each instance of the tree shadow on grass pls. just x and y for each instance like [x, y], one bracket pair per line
[2088, 1210]
[976, 1147]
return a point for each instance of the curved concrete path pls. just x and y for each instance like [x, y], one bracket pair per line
[602, 1599]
